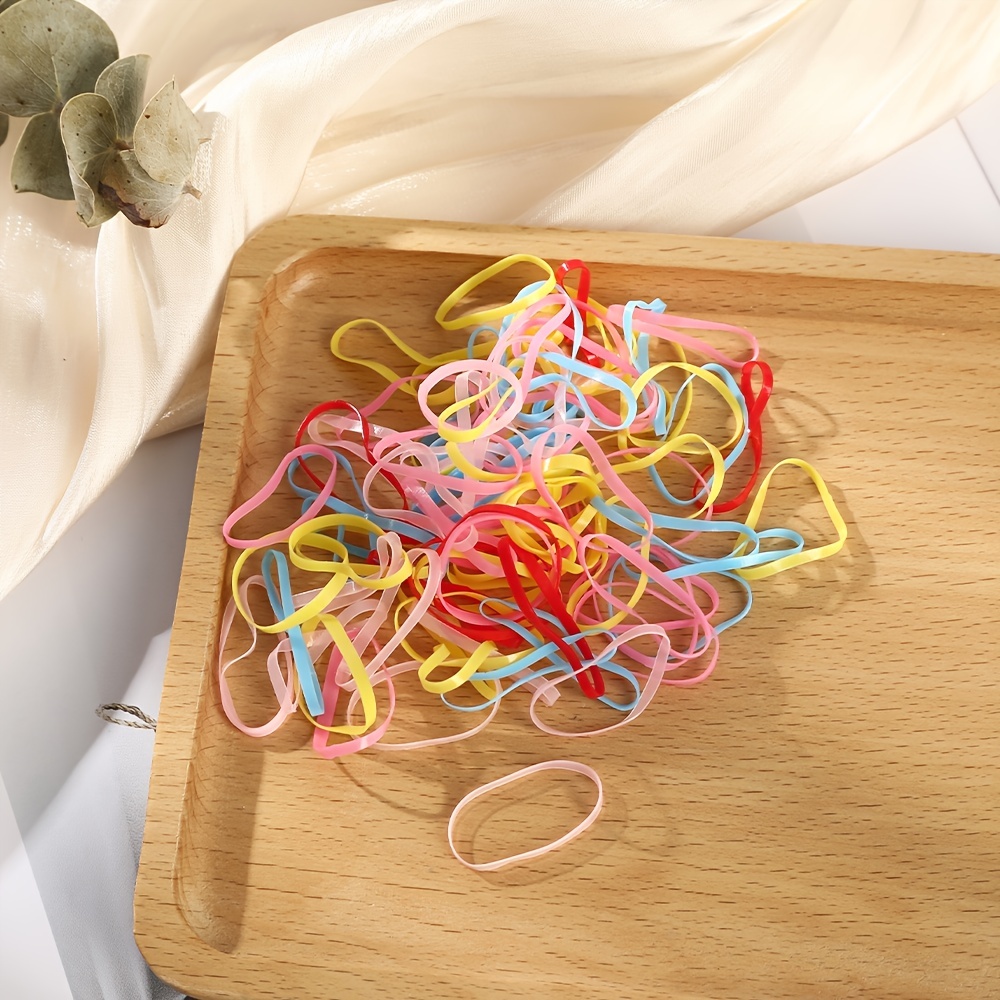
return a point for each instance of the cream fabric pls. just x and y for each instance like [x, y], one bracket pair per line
[681, 115]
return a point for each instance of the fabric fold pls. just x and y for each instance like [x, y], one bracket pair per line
[677, 116]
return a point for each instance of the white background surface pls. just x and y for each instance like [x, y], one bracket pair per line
[107, 589]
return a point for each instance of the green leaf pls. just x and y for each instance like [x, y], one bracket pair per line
[91, 208]
[106, 174]
[123, 83]
[142, 199]
[90, 134]
[167, 137]
[39, 162]
[4, 128]
[50, 51]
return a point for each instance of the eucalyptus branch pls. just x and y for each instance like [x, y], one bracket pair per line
[89, 137]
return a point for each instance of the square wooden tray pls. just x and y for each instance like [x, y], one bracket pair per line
[818, 820]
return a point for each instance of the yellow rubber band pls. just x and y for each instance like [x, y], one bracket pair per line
[497, 312]
[358, 674]
[806, 555]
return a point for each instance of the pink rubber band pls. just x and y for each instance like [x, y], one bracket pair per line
[268, 489]
[549, 765]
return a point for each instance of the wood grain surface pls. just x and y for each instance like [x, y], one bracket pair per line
[819, 819]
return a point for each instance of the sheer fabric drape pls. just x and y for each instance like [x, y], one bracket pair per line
[696, 116]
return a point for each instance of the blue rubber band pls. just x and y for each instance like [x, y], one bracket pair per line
[283, 605]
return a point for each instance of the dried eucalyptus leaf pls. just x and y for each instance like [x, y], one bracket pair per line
[89, 129]
[166, 137]
[123, 83]
[4, 128]
[92, 209]
[39, 162]
[90, 134]
[50, 51]
[142, 199]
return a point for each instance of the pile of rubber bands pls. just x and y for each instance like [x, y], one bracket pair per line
[530, 540]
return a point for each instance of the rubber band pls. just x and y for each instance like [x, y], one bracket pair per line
[436, 741]
[573, 767]
[497, 312]
[806, 555]
[339, 404]
[280, 685]
[536, 542]
[283, 604]
[267, 490]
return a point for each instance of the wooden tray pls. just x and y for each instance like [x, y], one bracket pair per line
[820, 819]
